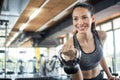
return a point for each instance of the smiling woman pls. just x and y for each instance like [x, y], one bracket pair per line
[89, 42]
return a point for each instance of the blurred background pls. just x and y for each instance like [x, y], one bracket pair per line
[33, 31]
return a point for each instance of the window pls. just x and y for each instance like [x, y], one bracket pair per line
[112, 45]
[97, 28]
[117, 50]
[106, 26]
[116, 23]
[108, 48]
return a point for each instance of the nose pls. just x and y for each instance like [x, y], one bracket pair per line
[80, 21]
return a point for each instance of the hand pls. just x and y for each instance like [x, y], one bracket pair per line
[113, 78]
[69, 52]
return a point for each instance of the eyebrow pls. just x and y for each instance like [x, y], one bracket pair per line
[81, 15]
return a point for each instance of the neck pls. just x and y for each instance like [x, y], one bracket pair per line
[84, 36]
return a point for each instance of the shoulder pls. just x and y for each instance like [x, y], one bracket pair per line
[102, 36]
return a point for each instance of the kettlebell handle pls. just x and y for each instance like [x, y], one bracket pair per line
[78, 55]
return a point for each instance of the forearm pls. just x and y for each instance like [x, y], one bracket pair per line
[77, 76]
[105, 67]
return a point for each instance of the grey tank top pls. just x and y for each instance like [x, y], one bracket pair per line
[90, 60]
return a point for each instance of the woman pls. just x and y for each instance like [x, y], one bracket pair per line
[89, 42]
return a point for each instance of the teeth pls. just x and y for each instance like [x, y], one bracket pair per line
[81, 28]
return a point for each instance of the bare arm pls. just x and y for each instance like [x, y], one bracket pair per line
[77, 76]
[102, 36]
[105, 67]
[69, 54]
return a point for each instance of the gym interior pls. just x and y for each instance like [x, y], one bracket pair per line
[32, 32]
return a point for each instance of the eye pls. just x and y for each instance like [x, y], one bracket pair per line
[75, 18]
[84, 17]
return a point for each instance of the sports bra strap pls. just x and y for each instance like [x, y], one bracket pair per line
[96, 33]
[76, 44]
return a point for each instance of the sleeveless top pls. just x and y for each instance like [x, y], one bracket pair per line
[90, 60]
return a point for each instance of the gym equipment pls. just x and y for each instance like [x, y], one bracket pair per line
[70, 66]
[114, 74]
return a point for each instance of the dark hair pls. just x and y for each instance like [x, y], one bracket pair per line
[1, 4]
[90, 9]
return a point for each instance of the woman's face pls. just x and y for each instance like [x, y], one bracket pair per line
[82, 19]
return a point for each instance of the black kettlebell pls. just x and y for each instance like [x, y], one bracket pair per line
[70, 66]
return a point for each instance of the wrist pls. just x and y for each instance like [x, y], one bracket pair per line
[110, 75]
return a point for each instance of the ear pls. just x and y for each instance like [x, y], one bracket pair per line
[93, 18]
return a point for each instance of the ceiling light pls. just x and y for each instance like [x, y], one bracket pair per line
[8, 44]
[23, 27]
[57, 17]
[11, 40]
[35, 13]
[63, 12]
